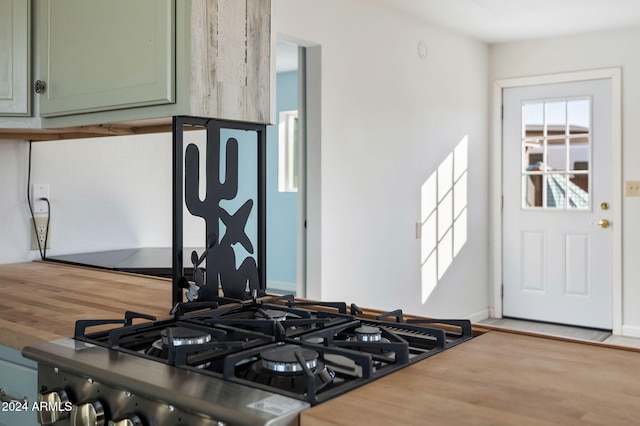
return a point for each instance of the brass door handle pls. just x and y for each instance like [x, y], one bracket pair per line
[603, 223]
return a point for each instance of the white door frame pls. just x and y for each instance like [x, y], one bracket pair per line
[495, 196]
[309, 239]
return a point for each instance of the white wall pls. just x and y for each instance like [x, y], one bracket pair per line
[106, 193]
[585, 52]
[388, 120]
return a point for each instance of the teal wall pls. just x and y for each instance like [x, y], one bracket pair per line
[282, 207]
[247, 186]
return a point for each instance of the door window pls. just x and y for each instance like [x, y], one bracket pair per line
[556, 150]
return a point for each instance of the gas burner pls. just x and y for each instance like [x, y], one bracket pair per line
[178, 336]
[281, 368]
[369, 339]
[314, 340]
[271, 314]
[368, 334]
[284, 360]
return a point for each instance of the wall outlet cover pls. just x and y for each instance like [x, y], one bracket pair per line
[39, 234]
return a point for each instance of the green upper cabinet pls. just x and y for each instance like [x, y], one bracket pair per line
[98, 55]
[116, 66]
[15, 54]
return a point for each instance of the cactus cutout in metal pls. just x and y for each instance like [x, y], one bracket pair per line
[221, 258]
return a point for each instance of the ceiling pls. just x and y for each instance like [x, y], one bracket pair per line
[496, 21]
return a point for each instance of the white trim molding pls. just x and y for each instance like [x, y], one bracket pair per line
[495, 196]
[631, 331]
[478, 316]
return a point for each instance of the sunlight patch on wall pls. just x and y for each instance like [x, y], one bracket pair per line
[443, 216]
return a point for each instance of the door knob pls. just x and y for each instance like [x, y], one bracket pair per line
[603, 223]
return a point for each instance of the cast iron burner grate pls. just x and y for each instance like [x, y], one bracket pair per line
[311, 351]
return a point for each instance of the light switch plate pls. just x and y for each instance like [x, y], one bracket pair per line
[632, 188]
[39, 191]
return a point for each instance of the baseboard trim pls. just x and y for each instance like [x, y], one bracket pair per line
[630, 331]
[478, 316]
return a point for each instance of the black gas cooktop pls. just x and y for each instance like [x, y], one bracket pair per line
[306, 350]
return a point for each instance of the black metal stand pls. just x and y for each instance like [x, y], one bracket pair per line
[237, 282]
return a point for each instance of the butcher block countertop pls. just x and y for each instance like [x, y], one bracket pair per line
[41, 301]
[497, 378]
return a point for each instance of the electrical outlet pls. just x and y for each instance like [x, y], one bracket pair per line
[40, 233]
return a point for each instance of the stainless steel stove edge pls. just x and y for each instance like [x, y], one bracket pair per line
[122, 374]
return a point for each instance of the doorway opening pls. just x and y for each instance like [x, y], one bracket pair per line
[291, 173]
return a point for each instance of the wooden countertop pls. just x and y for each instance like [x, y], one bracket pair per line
[496, 378]
[41, 301]
[499, 378]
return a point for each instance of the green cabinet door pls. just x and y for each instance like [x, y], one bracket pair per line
[15, 55]
[98, 55]
[18, 378]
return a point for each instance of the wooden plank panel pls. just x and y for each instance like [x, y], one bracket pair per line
[258, 92]
[232, 58]
[204, 54]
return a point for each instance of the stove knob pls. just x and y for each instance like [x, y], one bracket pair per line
[89, 413]
[52, 407]
[131, 421]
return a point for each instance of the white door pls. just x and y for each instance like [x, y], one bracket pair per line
[557, 187]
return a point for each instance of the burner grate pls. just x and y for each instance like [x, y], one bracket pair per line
[348, 350]
[334, 372]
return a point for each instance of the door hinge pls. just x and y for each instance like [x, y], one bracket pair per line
[502, 292]
[502, 112]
